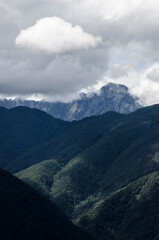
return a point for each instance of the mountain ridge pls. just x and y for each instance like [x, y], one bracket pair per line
[111, 97]
[125, 151]
[89, 166]
[22, 128]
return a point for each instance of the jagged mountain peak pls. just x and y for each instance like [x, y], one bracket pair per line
[114, 87]
[111, 97]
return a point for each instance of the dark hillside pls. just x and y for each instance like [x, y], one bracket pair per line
[22, 128]
[25, 214]
[80, 136]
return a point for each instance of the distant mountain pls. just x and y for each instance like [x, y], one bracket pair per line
[111, 97]
[25, 214]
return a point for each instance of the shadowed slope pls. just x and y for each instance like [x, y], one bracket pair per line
[22, 128]
[80, 136]
[25, 214]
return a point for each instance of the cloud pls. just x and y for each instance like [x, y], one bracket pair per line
[62, 78]
[147, 92]
[142, 84]
[153, 73]
[147, 88]
[54, 35]
[128, 54]
[9, 10]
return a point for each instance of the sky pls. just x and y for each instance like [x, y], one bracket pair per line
[54, 49]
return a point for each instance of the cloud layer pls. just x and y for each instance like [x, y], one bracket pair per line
[64, 46]
[54, 35]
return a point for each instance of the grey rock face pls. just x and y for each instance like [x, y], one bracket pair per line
[112, 97]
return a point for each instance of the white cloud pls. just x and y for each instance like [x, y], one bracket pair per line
[153, 73]
[147, 87]
[142, 84]
[54, 35]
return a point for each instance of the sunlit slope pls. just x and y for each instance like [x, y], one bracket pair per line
[130, 213]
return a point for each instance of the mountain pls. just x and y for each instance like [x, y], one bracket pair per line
[111, 97]
[76, 139]
[25, 214]
[130, 213]
[94, 158]
[102, 171]
[22, 128]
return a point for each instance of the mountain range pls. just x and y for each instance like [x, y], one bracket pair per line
[102, 171]
[111, 97]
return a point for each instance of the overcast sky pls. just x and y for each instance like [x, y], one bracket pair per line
[55, 49]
